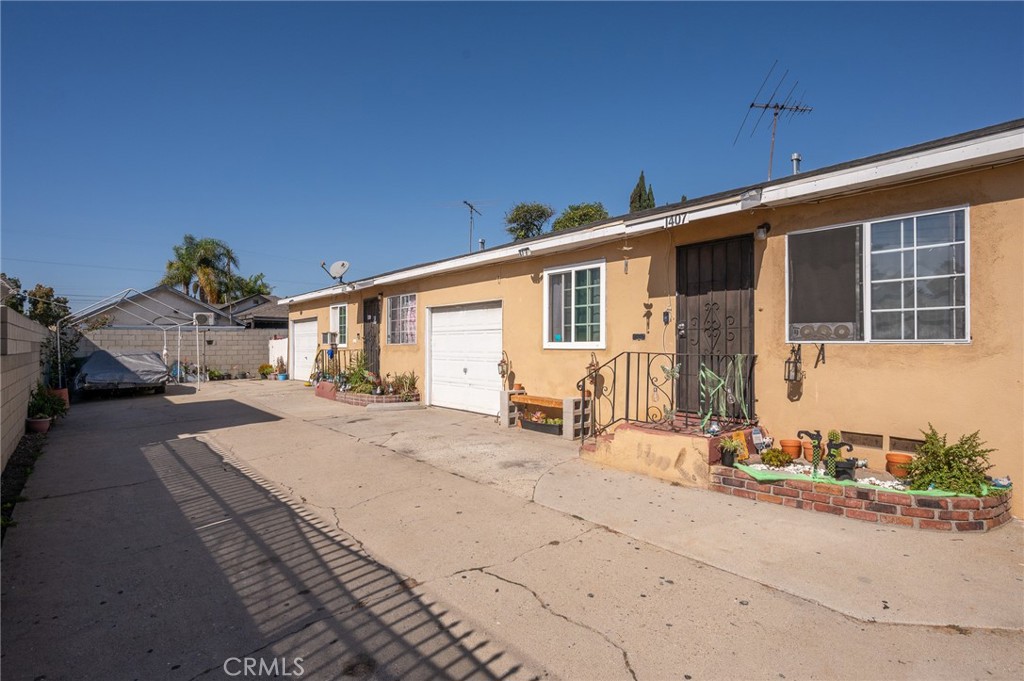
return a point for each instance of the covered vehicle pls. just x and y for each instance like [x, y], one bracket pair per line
[122, 371]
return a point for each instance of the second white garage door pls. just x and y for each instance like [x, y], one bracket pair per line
[465, 348]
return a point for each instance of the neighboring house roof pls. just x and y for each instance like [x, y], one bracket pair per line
[267, 310]
[145, 303]
[247, 302]
[1002, 143]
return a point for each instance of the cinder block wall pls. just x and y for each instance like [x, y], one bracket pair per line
[20, 343]
[231, 351]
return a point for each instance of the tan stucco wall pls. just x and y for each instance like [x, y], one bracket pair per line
[887, 389]
[897, 389]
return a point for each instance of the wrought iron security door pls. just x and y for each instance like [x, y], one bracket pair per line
[715, 324]
[371, 333]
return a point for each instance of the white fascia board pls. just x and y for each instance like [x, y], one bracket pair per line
[548, 246]
[508, 253]
[338, 290]
[1005, 146]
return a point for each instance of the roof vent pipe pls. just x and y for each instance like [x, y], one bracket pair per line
[483, 243]
[795, 158]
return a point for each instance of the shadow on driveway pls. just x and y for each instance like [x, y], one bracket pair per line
[183, 567]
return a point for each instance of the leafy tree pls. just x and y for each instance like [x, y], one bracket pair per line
[201, 267]
[45, 307]
[14, 299]
[579, 214]
[642, 197]
[526, 220]
[241, 287]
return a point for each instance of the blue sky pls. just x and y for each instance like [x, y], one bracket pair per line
[301, 132]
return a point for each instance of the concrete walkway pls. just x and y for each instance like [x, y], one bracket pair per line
[469, 535]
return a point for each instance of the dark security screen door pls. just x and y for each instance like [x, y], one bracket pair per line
[714, 310]
[371, 333]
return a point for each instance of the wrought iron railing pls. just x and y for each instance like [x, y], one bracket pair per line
[329, 365]
[671, 390]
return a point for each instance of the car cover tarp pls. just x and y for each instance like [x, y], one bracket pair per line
[122, 369]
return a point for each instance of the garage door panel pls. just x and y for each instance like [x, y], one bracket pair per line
[465, 343]
[305, 342]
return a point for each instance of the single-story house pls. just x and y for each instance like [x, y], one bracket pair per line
[160, 306]
[182, 329]
[874, 297]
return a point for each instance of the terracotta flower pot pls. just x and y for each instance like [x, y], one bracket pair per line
[791, 447]
[34, 425]
[808, 450]
[896, 464]
[61, 393]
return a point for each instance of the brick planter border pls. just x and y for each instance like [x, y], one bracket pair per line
[950, 514]
[361, 400]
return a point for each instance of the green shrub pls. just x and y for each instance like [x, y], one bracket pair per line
[775, 458]
[41, 402]
[265, 370]
[956, 468]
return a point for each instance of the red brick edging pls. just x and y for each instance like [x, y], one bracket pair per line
[361, 399]
[957, 514]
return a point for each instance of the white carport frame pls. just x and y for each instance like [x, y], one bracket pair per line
[116, 301]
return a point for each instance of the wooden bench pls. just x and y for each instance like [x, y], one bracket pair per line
[571, 410]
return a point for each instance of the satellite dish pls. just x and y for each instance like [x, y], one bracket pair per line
[338, 269]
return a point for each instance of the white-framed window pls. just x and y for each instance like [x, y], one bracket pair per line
[339, 323]
[402, 319]
[895, 279]
[574, 306]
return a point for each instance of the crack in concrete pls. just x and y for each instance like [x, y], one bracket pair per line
[533, 494]
[95, 489]
[382, 494]
[547, 607]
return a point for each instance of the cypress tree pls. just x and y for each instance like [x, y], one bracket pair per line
[650, 197]
[638, 198]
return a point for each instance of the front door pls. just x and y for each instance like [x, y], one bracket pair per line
[371, 333]
[715, 322]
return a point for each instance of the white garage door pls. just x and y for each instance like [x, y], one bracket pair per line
[304, 341]
[465, 348]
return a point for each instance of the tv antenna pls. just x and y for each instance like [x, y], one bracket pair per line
[337, 269]
[472, 209]
[786, 106]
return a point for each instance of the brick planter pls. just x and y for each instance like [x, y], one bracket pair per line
[950, 514]
[361, 400]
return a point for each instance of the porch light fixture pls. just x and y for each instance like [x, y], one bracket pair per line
[794, 366]
[761, 231]
[524, 251]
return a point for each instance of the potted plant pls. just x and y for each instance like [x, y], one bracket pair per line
[728, 447]
[539, 422]
[43, 408]
[282, 369]
[265, 370]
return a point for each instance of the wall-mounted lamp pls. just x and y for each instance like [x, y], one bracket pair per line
[794, 366]
[524, 251]
[761, 231]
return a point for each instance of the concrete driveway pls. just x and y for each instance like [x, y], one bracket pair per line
[431, 544]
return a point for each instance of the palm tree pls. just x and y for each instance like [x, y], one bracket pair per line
[201, 267]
